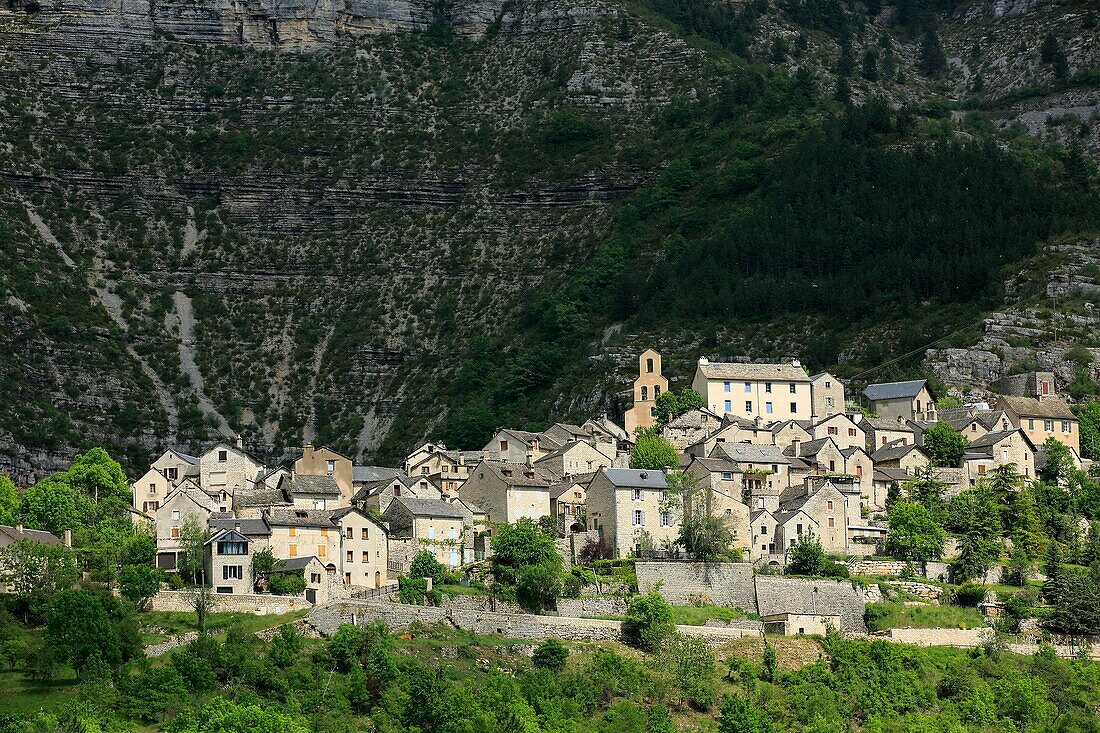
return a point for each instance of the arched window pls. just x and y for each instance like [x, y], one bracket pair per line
[649, 365]
[645, 393]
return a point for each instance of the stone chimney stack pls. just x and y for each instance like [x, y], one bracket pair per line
[530, 458]
[240, 441]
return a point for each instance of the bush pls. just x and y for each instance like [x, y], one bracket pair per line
[969, 595]
[550, 654]
[425, 565]
[538, 586]
[287, 583]
[648, 621]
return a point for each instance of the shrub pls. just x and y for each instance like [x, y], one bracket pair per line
[425, 565]
[550, 654]
[969, 595]
[287, 583]
[648, 621]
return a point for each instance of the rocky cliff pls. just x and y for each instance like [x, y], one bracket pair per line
[294, 219]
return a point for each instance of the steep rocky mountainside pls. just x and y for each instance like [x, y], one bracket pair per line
[298, 220]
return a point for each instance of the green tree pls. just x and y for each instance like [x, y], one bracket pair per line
[98, 476]
[927, 490]
[652, 452]
[666, 408]
[688, 664]
[539, 586]
[222, 716]
[980, 547]
[36, 573]
[690, 399]
[425, 565]
[648, 621]
[914, 533]
[139, 583]
[519, 545]
[550, 654]
[739, 715]
[264, 562]
[1052, 53]
[51, 504]
[945, 445]
[287, 582]
[932, 59]
[139, 549]
[9, 502]
[191, 563]
[80, 631]
[870, 65]
[806, 556]
[703, 535]
[1088, 416]
[1077, 606]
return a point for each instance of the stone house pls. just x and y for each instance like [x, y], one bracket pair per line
[858, 463]
[150, 490]
[826, 505]
[769, 392]
[733, 430]
[319, 579]
[826, 396]
[842, 430]
[763, 532]
[563, 432]
[507, 491]
[691, 427]
[610, 438]
[822, 453]
[447, 469]
[720, 482]
[885, 479]
[228, 468]
[313, 492]
[761, 465]
[228, 562]
[176, 466]
[1028, 384]
[973, 424]
[999, 449]
[791, 433]
[363, 548]
[1041, 419]
[647, 388]
[376, 497]
[910, 400]
[297, 532]
[800, 624]
[900, 455]
[881, 431]
[568, 503]
[518, 446]
[363, 475]
[184, 503]
[628, 507]
[790, 526]
[573, 458]
[327, 462]
[347, 541]
[253, 502]
[438, 526]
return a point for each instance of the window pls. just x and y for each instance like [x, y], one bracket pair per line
[748, 387]
[829, 402]
[232, 548]
[794, 407]
[171, 473]
[365, 534]
[639, 517]
[1030, 423]
[798, 528]
[727, 475]
[748, 405]
[366, 556]
[175, 532]
[656, 391]
[981, 469]
[330, 466]
[431, 533]
[828, 384]
[322, 550]
[859, 470]
[763, 529]
[503, 446]
[649, 365]
[315, 578]
[666, 520]
[1048, 425]
[645, 393]
[223, 456]
[1046, 387]
[829, 505]
[794, 389]
[319, 504]
[729, 406]
[423, 470]
[768, 407]
[175, 515]
[351, 556]
[726, 387]
[292, 531]
[294, 550]
[232, 572]
[832, 466]
[349, 533]
[1065, 426]
[768, 387]
[832, 522]
[446, 468]
[851, 432]
[729, 512]
[152, 488]
[397, 489]
[833, 430]
[635, 494]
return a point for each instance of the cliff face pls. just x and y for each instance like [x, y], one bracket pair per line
[293, 219]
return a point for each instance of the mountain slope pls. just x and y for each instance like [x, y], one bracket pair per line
[363, 224]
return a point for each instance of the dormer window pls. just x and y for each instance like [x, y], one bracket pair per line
[503, 446]
[301, 515]
[505, 472]
[330, 466]
[397, 491]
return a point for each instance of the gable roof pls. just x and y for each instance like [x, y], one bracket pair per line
[890, 474]
[893, 451]
[894, 390]
[249, 527]
[693, 418]
[810, 448]
[716, 465]
[229, 535]
[427, 507]
[804, 425]
[849, 452]
[990, 439]
[749, 453]
[33, 535]
[313, 485]
[752, 372]
[299, 517]
[636, 478]
[297, 563]
[521, 474]
[183, 456]
[1050, 408]
[885, 423]
[364, 474]
[260, 497]
[557, 452]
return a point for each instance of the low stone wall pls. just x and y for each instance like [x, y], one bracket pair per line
[591, 606]
[260, 603]
[172, 642]
[936, 637]
[327, 619]
[925, 592]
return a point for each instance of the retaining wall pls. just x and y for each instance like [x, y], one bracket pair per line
[936, 637]
[260, 603]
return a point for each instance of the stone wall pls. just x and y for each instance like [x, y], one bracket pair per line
[327, 619]
[260, 604]
[929, 571]
[776, 594]
[930, 593]
[591, 606]
[936, 637]
[683, 583]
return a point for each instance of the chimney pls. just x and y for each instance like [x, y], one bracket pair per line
[19, 528]
[796, 363]
[240, 441]
[530, 458]
[704, 360]
[901, 421]
[237, 526]
[66, 538]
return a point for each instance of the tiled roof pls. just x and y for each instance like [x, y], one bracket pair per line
[364, 474]
[894, 390]
[297, 563]
[260, 497]
[314, 485]
[636, 478]
[249, 527]
[749, 453]
[753, 372]
[893, 451]
[1050, 408]
[990, 439]
[301, 517]
[521, 474]
[429, 507]
[34, 535]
